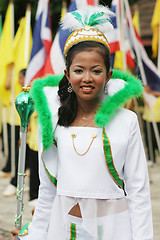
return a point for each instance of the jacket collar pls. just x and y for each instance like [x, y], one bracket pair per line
[131, 88]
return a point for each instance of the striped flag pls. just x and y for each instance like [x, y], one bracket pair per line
[114, 35]
[42, 41]
[55, 62]
[150, 69]
[114, 39]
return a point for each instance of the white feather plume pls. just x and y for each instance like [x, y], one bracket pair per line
[70, 22]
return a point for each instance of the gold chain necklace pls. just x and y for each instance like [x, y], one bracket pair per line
[82, 154]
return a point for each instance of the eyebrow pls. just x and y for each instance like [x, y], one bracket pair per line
[83, 67]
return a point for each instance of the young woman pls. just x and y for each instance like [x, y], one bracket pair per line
[93, 173]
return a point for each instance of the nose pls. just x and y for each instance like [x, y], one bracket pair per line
[87, 77]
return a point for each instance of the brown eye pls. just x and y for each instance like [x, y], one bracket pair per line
[78, 71]
[96, 71]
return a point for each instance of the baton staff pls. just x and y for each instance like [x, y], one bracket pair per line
[24, 106]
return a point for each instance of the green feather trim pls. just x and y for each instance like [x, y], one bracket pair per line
[133, 88]
[42, 108]
[78, 17]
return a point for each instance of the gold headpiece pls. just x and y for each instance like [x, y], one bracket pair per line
[87, 25]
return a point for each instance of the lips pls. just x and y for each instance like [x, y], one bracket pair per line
[87, 89]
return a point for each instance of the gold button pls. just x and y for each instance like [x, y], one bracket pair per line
[73, 135]
[87, 28]
[94, 135]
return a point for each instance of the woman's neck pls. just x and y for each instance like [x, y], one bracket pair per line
[87, 108]
[85, 111]
[85, 114]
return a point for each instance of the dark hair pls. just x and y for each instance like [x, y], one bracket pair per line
[23, 71]
[68, 109]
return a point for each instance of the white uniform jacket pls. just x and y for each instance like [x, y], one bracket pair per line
[128, 160]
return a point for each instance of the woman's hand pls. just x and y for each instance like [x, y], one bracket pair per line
[15, 232]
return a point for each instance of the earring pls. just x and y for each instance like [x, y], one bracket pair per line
[105, 89]
[69, 89]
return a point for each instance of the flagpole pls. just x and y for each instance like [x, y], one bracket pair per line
[141, 68]
[123, 36]
[27, 33]
[96, 2]
[12, 102]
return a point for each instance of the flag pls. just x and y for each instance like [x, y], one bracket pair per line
[6, 54]
[64, 8]
[151, 71]
[0, 26]
[22, 48]
[55, 62]
[114, 35]
[136, 21]
[155, 27]
[42, 41]
[114, 39]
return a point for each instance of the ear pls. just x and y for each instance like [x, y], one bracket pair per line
[109, 75]
[66, 74]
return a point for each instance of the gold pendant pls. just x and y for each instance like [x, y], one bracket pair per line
[94, 135]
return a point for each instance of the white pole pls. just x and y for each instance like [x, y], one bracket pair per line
[123, 37]
[12, 104]
[96, 2]
[27, 33]
[135, 42]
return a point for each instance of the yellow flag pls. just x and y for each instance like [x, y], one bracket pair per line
[136, 21]
[6, 54]
[155, 27]
[118, 60]
[22, 49]
[21, 54]
[64, 9]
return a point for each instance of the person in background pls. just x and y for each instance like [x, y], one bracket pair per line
[152, 103]
[32, 155]
[6, 171]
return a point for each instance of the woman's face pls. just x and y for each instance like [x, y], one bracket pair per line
[88, 75]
